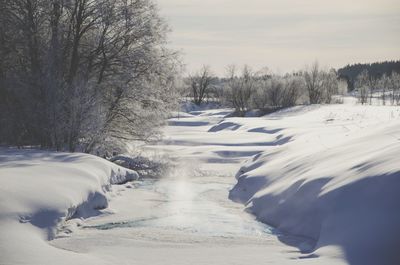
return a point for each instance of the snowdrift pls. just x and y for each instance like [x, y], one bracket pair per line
[335, 182]
[40, 190]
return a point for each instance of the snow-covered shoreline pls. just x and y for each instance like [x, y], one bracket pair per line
[335, 181]
[40, 190]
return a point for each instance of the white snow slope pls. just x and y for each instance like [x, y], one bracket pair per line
[39, 191]
[330, 173]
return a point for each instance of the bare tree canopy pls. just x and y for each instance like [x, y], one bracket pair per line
[200, 84]
[321, 85]
[238, 89]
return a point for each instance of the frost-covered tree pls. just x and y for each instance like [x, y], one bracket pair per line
[330, 85]
[314, 83]
[260, 96]
[294, 88]
[321, 85]
[81, 74]
[383, 84]
[363, 86]
[277, 92]
[268, 93]
[394, 86]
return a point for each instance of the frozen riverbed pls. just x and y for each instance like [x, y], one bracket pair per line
[186, 216]
[196, 206]
[174, 220]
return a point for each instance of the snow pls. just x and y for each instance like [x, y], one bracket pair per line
[40, 191]
[323, 179]
[336, 180]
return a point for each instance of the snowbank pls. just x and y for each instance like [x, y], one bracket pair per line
[40, 190]
[336, 181]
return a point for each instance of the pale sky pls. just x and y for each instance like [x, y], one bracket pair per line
[283, 35]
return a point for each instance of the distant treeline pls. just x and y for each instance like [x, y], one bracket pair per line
[376, 70]
[247, 90]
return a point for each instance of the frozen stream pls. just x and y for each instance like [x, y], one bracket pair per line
[194, 206]
[184, 217]
[173, 221]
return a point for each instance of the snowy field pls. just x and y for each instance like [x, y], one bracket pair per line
[324, 178]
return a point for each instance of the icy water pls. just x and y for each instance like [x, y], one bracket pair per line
[174, 220]
[196, 206]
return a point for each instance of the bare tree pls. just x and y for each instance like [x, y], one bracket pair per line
[260, 98]
[293, 88]
[321, 85]
[394, 86]
[200, 84]
[238, 89]
[314, 85]
[383, 84]
[330, 85]
[363, 86]
[277, 92]
[373, 85]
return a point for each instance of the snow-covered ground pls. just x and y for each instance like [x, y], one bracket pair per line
[324, 177]
[39, 191]
[335, 179]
